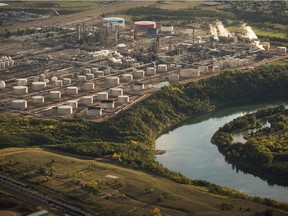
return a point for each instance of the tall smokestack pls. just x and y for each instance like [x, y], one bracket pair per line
[132, 37]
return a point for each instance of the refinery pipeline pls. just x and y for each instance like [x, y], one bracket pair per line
[94, 72]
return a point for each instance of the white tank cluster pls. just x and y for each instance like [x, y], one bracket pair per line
[112, 81]
[190, 73]
[6, 62]
[87, 100]
[89, 86]
[55, 94]
[94, 111]
[72, 103]
[102, 96]
[19, 104]
[139, 74]
[64, 110]
[116, 92]
[123, 99]
[138, 86]
[127, 77]
[37, 99]
[20, 90]
[107, 104]
[38, 86]
[72, 90]
[151, 71]
[161, 68]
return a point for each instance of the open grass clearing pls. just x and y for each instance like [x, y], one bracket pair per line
[133, 191]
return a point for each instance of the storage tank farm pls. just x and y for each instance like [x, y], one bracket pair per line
[103, 79]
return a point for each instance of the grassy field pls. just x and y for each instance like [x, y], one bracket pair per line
[45, 7]
[103, 187]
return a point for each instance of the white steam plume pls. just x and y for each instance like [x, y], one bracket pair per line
[249, 32]
[213, 30]
[252, 36]
[222, 30]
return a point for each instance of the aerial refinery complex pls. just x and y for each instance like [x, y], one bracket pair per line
[96, 70]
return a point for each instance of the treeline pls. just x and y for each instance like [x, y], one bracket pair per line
[266, 151]
[156, 14]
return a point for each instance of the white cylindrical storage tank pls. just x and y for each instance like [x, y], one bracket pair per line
[112, 81]
[21, 82]
[87, 71]
[281, 49]
[127, 77]
[138, 86]
[116, 92]
[42, 78]
[2, 84]
[139, 74]
[94, 69]
[37, 99]
[82, 78]
[54, 78]
[37, 86]
[55, 94]
[203, 69]
[161, 68]
[64, 110]
[107, 104]
[115, 22]
[87, 100]
[20, 90]
[46, 81]
[102, 96]
[59, 83]
[90, 76]
[19, 104]
[151, 71]
[173, 77]
[215, 69]
[166, 28]
[35, 79]
[123, 99]
[66, 81]
[99, 73]
[189, 73]
[72, 103]
[72, 90]
[107, 71]
[94, 111]
[89, 86]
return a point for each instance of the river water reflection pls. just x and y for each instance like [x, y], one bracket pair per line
[190, 152]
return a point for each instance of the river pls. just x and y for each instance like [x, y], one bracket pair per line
[190, 152]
